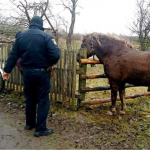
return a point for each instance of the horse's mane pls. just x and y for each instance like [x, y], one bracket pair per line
[106, 41]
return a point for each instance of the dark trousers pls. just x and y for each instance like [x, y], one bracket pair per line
[36, 88]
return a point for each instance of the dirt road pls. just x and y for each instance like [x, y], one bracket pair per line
[82, 129]
[12, 133]
[68, 130]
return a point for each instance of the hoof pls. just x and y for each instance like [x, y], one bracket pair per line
[122, 112]
[125, 107]
[113, 109]
[111, 113]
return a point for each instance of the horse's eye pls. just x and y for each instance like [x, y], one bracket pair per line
[83, 45]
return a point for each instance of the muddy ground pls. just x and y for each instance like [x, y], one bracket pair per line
[87, 128]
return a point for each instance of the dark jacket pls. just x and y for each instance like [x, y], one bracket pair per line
[36, 48]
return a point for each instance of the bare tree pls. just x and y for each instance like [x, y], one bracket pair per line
[70, 5]
[26, 10]
[23, 11]
[54, 29]
[41, 8]
[141, 24]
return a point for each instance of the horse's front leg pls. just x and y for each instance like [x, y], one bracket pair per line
[122, 98]
[114, 89]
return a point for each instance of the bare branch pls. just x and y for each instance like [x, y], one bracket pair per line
[26, 11]
[65, 6]
[141, 26]
[44, 12]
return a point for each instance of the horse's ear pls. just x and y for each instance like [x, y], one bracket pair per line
[83, 37]
[96, 37]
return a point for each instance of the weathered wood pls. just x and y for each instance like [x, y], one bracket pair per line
[4, 41]
[82, 83]
[94, 76]
[21, 83]
[60, 76]
[7, 83]
[73, 101]
[106, 100]
[69, 76]
[80, 71]
[101, 88]
[14, 76]
[78, 96]
[90, 61]
[57, 83]
[64, 76]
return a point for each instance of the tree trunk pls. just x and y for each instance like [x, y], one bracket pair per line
[73, 15]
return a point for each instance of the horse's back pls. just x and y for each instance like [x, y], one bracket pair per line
[130, 66]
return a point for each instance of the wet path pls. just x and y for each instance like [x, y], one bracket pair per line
[12, 133]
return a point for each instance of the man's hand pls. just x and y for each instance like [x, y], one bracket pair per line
[50, 70]
[6, 76]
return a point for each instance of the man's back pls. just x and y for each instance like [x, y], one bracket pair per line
[38, 51]
[36, 45]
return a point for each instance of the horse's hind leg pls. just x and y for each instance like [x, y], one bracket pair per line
[114, 89]
[122, 98]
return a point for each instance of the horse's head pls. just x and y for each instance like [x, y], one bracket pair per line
[89, 42]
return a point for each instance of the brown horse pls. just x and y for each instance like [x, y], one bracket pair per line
[122, 64]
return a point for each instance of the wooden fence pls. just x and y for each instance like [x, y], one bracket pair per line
[63, 82]
[82, 83]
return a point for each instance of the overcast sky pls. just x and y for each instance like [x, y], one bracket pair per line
[104, 16]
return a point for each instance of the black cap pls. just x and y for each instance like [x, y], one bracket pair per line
[36, 20]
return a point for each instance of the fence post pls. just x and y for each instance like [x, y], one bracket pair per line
[73, 104]
[82, 82]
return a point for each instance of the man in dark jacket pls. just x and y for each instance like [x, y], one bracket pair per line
[38, 50]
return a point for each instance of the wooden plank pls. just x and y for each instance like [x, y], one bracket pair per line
[90, 61]
[52, 86]
[69, 76]
[102, 88]
[13, 81]
[61, 78]
[94, 76]
[82, 83]
[7, 84]
[64, 77]
[80, 70]
[57, 83]
[59, 90]
[55, 86]
[106, 100]
[21, 82]
[73, 102]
